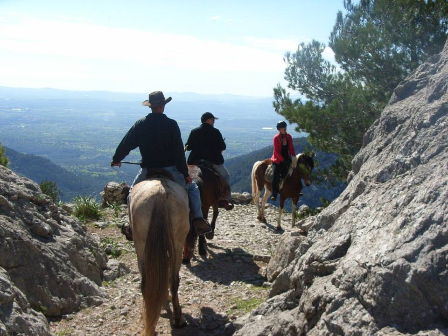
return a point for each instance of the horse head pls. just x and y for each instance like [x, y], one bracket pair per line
[304, 164]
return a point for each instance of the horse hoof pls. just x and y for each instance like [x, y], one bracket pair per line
[179, 323]
[186, 261]
[262, 219]
[210, 235]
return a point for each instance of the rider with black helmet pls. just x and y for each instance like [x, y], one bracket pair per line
[281, 158]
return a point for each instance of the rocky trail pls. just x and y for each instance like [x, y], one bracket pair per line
[213, 292]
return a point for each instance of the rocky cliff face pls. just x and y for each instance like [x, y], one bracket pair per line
[48, 262]
[375, 261]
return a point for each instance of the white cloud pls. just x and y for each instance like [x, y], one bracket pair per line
[214, 18]
[88, 41]
[84, 56]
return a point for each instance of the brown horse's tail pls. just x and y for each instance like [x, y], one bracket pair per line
[159, 259]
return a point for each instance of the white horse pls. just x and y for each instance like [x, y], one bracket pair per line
[159, 220]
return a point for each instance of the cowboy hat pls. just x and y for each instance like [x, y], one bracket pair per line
[156, 99]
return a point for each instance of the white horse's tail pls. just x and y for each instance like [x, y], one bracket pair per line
[255, 191]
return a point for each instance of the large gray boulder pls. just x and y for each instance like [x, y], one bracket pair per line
[375, 261]
[47, 254]
[16, 316]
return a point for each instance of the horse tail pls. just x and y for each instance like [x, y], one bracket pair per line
[159, 258]
[255, 191]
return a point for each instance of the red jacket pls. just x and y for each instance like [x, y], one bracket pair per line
[277, 156]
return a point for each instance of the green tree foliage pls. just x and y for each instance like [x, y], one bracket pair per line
[3, 159]
[377, 43]
[50, 189]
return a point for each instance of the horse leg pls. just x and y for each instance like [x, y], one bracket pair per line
[188, 250]
[256, 198]
[267, 192]
[202, 243]
[201, 246]
[210, 235]
[178, 318]
[294, 209]
[258, 205]
[280, 212]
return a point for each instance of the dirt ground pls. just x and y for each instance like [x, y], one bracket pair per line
[214, 290]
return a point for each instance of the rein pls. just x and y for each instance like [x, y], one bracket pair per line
[136, 163]
[121, 172]
[127, 162]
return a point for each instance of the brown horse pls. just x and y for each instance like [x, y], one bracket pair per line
[159, 219]
[212, 189]
[301, 168]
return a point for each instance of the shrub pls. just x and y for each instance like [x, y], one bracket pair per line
[50, 189]
[111, 247]
[86, 207]
[3, 159]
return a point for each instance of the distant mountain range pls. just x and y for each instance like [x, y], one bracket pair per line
[49, 93]
[40, 169]
[70, 136]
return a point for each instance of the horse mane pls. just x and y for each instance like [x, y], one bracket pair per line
[295, 159]
[159, 173]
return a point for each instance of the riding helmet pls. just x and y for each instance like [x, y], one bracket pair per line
[281, 124]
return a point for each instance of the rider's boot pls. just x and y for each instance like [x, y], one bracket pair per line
[201, 226]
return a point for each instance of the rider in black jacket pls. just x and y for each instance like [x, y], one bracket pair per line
[160, 143]
[206, 143]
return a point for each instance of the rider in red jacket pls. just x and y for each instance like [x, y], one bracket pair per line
[281, 158]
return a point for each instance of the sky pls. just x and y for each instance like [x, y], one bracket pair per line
[208, 47]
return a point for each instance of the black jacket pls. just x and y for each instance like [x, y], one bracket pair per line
[158, 138]
[206, 142]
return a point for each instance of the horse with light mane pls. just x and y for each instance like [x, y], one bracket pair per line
[159, 217]
[301, 167]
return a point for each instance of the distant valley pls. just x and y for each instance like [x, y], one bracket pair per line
[80, 130]
[71, 136]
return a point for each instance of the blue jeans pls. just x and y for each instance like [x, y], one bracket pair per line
[192, 189]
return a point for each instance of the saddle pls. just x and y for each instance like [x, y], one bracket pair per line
[204, 167]
[269, 174]
[159, 173]
[204, 164]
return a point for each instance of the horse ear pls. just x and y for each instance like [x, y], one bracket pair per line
[312, 154]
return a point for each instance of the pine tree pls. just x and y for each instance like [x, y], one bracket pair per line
[377, 44]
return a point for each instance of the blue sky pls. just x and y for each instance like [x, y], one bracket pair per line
[208, 47]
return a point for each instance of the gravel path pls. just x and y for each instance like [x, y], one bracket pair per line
[213, 291]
